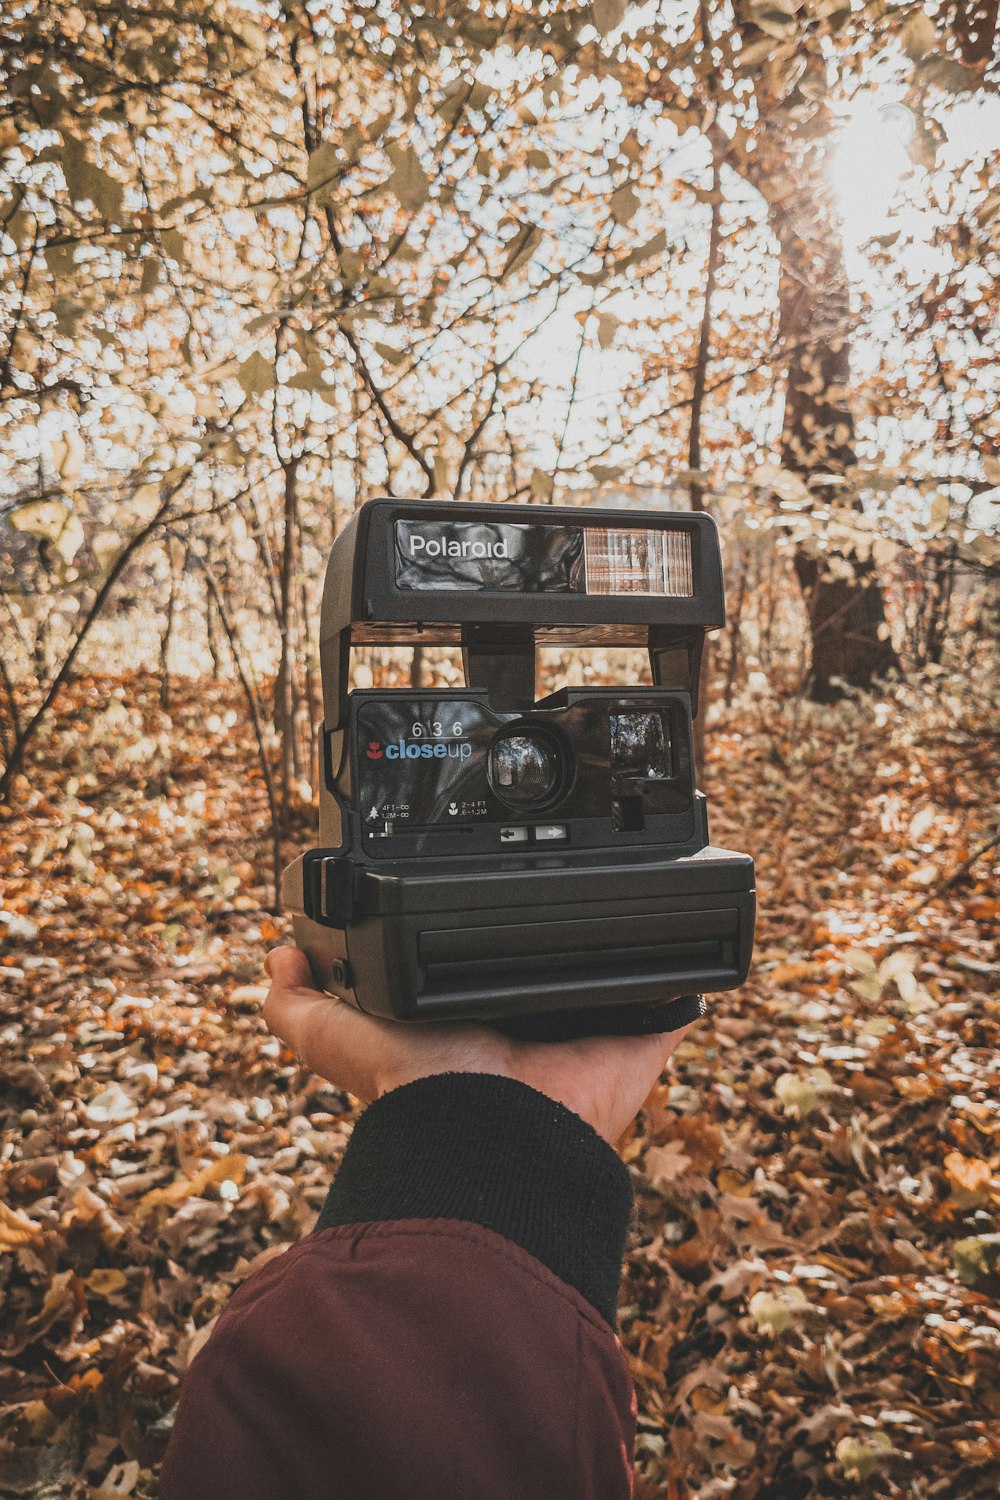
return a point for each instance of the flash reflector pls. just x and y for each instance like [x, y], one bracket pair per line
[638, 562]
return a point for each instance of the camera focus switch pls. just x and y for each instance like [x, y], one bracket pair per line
[340, 974]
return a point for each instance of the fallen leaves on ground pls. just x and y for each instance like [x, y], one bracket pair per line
[810, 1296]
[811, 1293]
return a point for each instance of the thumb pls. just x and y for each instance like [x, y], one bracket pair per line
[289, 969]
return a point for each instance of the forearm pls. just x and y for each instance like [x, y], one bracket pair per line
[446, 1328]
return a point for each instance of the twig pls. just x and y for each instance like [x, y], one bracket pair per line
[699, 380]
[155, 524]
[255, 720]
[955, 875]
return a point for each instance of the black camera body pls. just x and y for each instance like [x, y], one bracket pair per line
[541, 865]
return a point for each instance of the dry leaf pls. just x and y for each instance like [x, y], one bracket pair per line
[664, 1164]
[16, 1229]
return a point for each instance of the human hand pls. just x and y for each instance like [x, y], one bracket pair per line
[605, 1080]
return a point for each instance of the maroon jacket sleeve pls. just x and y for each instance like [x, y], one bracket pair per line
[446, 1331]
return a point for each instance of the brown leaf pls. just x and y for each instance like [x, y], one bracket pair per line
[16, 1229]
[664, 1164]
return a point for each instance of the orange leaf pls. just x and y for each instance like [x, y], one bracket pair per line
[969, 1176]
[666, 1163]
[16, 1229]
[790, 973]
[704, 1399]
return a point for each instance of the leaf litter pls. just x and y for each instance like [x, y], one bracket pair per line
[809, 1301]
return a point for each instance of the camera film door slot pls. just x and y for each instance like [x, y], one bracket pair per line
[543, 559]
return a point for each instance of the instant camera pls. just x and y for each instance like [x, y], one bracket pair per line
[543, 866]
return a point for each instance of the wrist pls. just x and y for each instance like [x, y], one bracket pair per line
[435, 1052]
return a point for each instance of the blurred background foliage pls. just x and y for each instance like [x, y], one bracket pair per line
[262, 260]
[265, 260]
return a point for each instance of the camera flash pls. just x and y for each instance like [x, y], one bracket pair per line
[638, 562]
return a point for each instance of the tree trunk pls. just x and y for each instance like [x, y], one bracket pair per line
[212, 638]
[696, 488]
[168, 628]
[942, 585]
[418, 663]
[9, 740]
[735, 624]
[256, 719]
[310, 704]
[850, 639]
[851, 646]
[284, 697]
[784, 154]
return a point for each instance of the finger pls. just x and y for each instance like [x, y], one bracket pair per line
[289, 968]
[332, 1038]
[645, 1052]
[670, 1040]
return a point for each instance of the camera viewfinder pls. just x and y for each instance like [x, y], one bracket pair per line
[640, 747]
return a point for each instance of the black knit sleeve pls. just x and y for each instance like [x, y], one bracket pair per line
[494, 1152]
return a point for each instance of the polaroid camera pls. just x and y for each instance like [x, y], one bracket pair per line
[543, 866]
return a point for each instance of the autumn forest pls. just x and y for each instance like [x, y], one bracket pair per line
[264, 260]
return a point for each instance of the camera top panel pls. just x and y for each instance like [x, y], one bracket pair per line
[442, 564]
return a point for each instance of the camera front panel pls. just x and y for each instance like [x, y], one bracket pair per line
[445, 774]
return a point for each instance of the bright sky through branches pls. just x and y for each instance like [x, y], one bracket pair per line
[869, 163]
[874, 157]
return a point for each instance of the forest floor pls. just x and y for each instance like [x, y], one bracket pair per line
[810, 1298]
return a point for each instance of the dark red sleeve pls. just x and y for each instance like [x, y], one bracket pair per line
[444, 1332]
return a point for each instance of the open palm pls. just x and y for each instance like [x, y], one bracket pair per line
[603, 1079]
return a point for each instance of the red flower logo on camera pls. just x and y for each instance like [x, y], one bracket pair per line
[374, 751]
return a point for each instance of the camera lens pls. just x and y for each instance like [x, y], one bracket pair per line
[525, 766]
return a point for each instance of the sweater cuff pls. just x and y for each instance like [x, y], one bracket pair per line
[494, 1152]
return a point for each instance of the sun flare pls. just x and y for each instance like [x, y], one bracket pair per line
[870, 161]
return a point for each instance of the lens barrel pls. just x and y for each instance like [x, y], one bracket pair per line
[526, 767]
